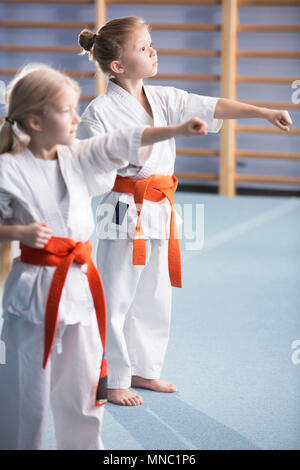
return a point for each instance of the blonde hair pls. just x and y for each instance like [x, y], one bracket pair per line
[107, 44]
[33, 87]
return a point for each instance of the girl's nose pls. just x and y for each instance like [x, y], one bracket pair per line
[77, 118]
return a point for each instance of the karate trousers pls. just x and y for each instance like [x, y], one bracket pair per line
[139, 302]
[68, 385]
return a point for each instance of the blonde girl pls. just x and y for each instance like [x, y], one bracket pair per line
[53, 304]
[138, 292]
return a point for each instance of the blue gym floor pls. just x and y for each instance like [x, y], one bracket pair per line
[230, 349]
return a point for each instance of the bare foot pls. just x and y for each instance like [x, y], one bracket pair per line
[123, 396]
[153, 384]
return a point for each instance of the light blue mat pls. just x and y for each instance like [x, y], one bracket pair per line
[230, 350]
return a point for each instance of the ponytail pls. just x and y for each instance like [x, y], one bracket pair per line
[12, 139]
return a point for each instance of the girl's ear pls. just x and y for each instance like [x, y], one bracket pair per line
[34, 122]
[116, 66]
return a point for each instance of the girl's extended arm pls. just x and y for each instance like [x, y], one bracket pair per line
[35, 235]
[194, 126]
[233, 109]
[104, 153]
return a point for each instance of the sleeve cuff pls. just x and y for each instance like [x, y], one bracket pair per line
[204, 108]
[136, 157]
[214, 125]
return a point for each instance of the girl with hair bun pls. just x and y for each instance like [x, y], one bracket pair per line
[137, 255]
[54, 308]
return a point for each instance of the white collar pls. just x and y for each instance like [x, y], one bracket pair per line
[133, 103]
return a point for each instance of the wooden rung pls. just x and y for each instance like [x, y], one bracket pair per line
[211, 77]
[258, 154]
[269, 3]
[197, 152]
[76, 50]
[154, 26]
[47, 49]
[274, 104]
[185, 76]
[86, 99]
[185, 27]
[270, 54]
[91, 25]
[79, 73]
[266, 130]
[192, 152]
[86, 74]
[268, 28]
[190, 52]
[166, 2]
[81, 25]
[183, 52]
[239, 154]
[48, 1]
[70, 73]
[170, 2]
[47, 24]
[263, 79]
[196, 176]
[144, 2]
[267, 179]
[8, 71]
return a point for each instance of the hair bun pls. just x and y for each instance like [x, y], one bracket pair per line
[86, 39]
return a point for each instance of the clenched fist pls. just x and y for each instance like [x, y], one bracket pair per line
[35, 235]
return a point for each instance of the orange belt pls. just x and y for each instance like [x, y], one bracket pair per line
[155, 188]
[61, 252]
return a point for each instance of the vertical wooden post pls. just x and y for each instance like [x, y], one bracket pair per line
[228, 90]
[100, 19]
[5, 262]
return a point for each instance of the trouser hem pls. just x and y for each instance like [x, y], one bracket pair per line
[119, 382]
[125, 382]
[146, 373]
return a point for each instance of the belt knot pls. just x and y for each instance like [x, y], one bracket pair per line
[81, 252]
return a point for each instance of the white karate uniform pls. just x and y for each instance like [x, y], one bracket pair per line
[139, 297]
[58, 194]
